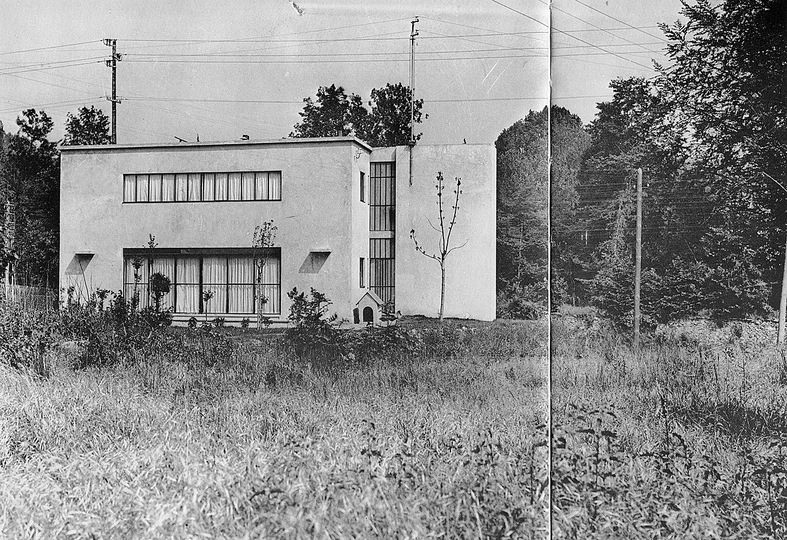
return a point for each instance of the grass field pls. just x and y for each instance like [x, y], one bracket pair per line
[687, 439]
[260, 444]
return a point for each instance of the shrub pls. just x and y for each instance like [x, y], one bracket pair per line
[314, 335]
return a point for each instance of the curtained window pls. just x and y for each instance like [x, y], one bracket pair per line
[214, 278]
[208, 186]
[221, 186]
[194, 187]
[142, 188]
[231, 278]
[154, 195]
[129, 188]
[187, 290]
[168, 187]
[181, 187]
[197, 187]
[234, 188]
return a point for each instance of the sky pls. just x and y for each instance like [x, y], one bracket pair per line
[215, 70]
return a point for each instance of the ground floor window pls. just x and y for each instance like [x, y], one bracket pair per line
[382, 268]
[228, 276]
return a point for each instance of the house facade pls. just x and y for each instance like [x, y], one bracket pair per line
[343, 213]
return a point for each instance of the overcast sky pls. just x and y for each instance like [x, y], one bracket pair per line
[226, 69]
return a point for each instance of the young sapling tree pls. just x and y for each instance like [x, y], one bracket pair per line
[445, 229]
[264, 237]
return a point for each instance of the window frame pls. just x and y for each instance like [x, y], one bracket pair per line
[189, 185]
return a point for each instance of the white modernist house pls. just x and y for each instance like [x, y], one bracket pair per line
[343, 210]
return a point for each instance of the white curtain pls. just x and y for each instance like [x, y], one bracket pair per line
[166, 266]
[241, 288]
[142, 188]
[234, 187]
[274, 185]
[155, 188]
[194, 187]
[248, 186]
[214, 278]
[129, 188]
[271, 285]
[181, 187]
[168, 187]
[187, 271]
[261, 181]
[221, 186]
[208, 183]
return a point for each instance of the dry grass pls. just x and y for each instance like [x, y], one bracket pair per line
[262, 446]
[684, 440]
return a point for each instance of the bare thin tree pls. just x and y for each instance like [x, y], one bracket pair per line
[445, 229]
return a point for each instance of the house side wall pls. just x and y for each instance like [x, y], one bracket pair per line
[319, 211]
[471, 270]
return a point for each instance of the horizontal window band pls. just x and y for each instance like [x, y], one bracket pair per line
[144, 253]
[198, 202]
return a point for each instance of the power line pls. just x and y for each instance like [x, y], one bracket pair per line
[622, 22]
[574, 37]
[46, 67]
[50, 47]
[333, 61]
[320, 55]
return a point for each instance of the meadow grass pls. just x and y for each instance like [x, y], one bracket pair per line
[686, 438]
[260, 444]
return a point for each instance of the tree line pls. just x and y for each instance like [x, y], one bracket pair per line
[710, 133]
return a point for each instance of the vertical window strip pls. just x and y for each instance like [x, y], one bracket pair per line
[274, 186]
[129, 188]
[248, 186]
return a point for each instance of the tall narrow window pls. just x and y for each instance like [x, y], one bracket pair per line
[381, 268]
[142, 188]
[363, 187]
[168, 187]
[154, 194]
[221, 186]
[382, 203]
[362, 273]
[129, 188]
[181, 187]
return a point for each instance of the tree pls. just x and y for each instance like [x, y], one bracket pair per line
[569, 142]
[334, 113]
[262, 242]
[389, 120]
[522, 199]
[728, 106]
[445, 230]
[89, 126]
[30, 178]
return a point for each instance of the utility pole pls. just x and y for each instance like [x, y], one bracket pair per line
[782, 303]
[112, 62]
[411, 142]
[9, 232]
[638, 261]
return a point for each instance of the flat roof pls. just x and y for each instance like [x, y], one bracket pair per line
[306, 140]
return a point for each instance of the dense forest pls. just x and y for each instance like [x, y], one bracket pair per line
[709, 132]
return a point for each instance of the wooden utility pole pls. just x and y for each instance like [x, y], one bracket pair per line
[638, 260]
[782, 302]
[411, 142]
[113, 62]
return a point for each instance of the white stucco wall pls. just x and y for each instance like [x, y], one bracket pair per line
[320, 210]
[470, 271]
